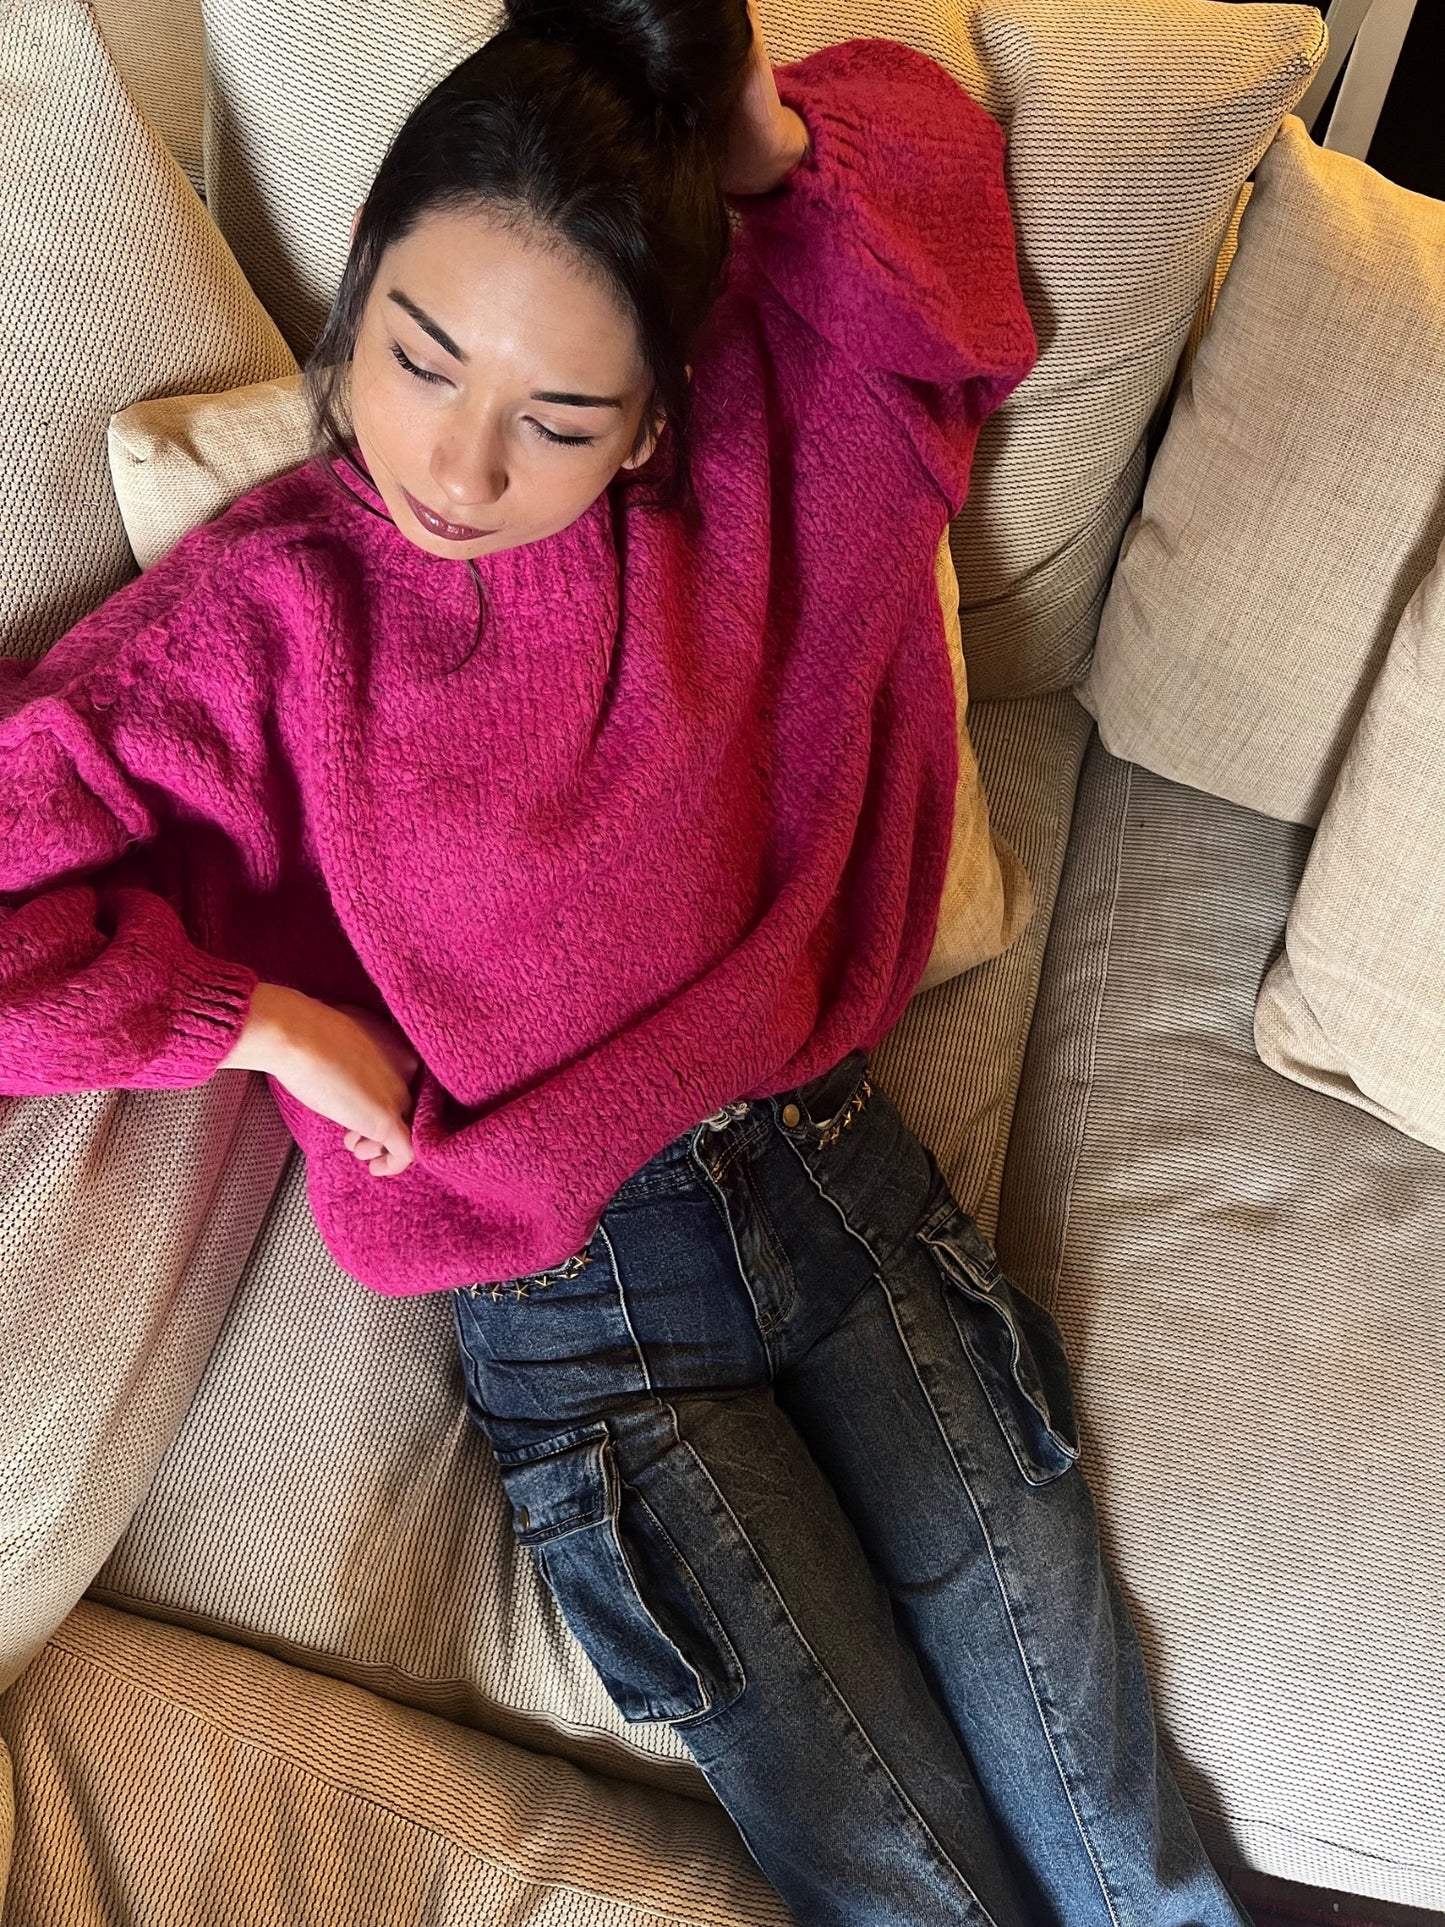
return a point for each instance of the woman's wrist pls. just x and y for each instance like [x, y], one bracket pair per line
[796, 142]
[264, 1038]
[792, 147]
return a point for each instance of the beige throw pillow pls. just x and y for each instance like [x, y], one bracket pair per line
[1355, 1004]
[1132, 125]
[1296, 498]
[179, 461]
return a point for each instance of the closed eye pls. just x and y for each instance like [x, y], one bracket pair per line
[411, 367]
[568, 441]
[565, 441]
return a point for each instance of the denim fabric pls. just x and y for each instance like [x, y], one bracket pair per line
[798, 1461]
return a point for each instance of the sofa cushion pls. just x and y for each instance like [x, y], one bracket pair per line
[159, 49]
[1355, 1003]
[125, 1216]
[329, 1500]
[1132, 125]
[171, 1779]
[179, 460]
[1297, 498]
[117, 286]
[1248, 1280]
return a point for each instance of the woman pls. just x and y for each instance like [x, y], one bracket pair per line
[548, 787]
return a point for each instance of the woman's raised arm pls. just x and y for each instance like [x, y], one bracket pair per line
[893, 239]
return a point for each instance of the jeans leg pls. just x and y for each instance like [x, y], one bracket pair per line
[938, 1407]
[706, 1567]
[835, 1762]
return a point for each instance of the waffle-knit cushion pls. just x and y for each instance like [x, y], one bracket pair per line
[159, 49]
[1354, 1005]
[171, 1780]
[1297, 498]
[114, 285]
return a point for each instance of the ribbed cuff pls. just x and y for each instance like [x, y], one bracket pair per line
[213, 996]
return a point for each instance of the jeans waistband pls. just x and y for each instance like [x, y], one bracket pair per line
[817, 1100]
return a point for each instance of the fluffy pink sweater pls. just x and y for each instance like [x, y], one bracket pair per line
[674, 834]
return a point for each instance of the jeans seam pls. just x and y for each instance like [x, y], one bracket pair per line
[614, 1526]
[1003, 1594]
[826, 1195]
[900, 1791]
[622, 1304]
[719, 1629]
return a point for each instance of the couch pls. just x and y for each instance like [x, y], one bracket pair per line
[268, 1649]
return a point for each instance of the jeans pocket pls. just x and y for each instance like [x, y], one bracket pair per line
[624, 1587]
[1012, 1343]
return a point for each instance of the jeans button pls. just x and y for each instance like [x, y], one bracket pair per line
[791, 1115]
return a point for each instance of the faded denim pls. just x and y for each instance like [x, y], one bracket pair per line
[798, 1461]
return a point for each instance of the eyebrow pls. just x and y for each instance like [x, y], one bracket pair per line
[444, 340]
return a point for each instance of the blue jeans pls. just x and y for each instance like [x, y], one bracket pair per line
[797, 1460]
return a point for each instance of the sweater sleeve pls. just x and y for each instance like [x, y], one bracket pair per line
[149, 706]
[893, 239]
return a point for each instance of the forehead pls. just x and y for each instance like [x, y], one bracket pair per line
[514, 297]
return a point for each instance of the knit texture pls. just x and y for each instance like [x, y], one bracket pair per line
[673, 833]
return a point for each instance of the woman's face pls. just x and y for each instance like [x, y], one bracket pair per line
[513, 345]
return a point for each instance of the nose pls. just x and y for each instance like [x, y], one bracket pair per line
[470, 471]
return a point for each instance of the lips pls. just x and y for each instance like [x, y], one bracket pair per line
[438, 525]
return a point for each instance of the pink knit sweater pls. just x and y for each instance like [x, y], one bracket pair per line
[674, 834]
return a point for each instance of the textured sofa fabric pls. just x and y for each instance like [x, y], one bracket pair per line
[160, 51]
[1248, 1280]
[1132, 125]
[1355, 1004]
[172, 1780]
[1297, 498]
[117, 285]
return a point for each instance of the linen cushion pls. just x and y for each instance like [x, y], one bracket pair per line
[1355, 1003]
[180, 460]
[1247, 1276]
[172, 1779]
[327, 1498]
[1296, 499]
[1132, 125]
[125, 1216]
[177, 462]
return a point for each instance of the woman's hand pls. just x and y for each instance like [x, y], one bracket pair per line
[765, 139]
[339, 1060]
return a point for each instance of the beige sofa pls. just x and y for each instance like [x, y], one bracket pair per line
[269, 1651]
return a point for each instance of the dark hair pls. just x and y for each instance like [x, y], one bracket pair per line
[598, 125]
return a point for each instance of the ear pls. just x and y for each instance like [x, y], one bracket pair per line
[651, 443]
